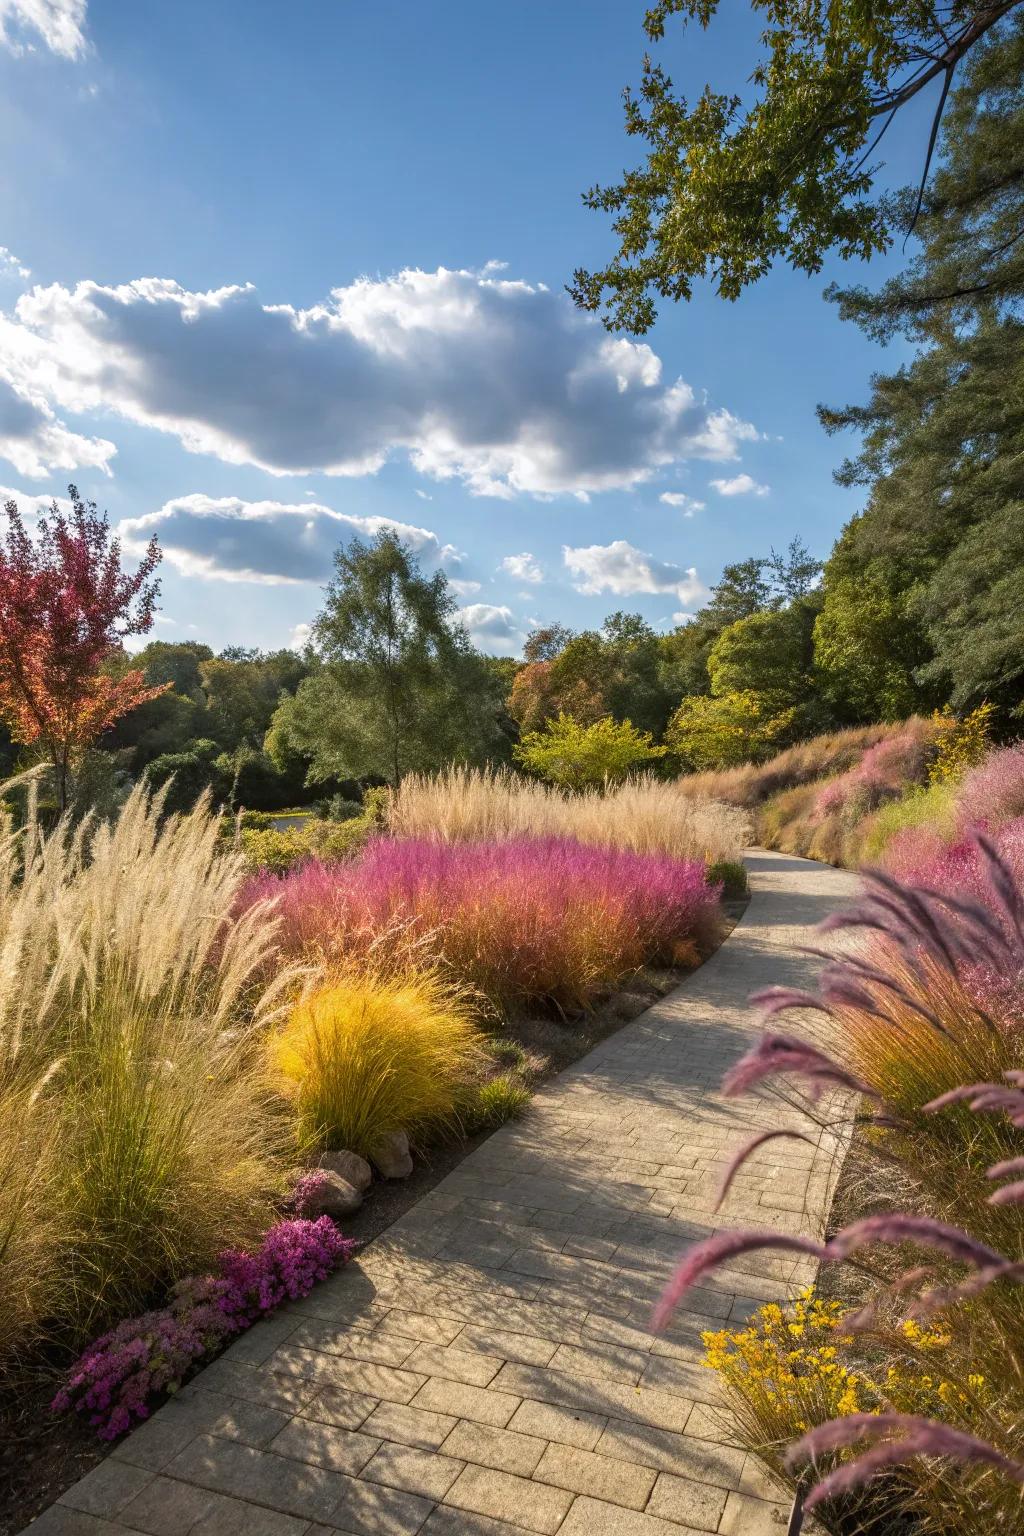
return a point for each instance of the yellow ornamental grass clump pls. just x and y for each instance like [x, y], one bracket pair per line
[366, 1055]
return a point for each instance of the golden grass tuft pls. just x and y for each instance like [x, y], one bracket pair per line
[642, 815]
[365, 1056]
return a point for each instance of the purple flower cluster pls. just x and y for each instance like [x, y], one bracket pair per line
[115, 1381]
[306, 1190]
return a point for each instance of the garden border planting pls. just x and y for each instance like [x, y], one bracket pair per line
[488, 1360]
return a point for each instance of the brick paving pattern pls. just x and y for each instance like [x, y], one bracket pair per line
[485, 1368]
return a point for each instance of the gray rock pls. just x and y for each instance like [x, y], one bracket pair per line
[391, 1155]
[333, 1196]
[349, 1166]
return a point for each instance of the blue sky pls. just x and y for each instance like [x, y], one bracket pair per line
[274, 273]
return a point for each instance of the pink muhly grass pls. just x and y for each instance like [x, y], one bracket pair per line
[523, 919]
[775, 1055]
[912, 1436]
[992, 793]
[885, 770]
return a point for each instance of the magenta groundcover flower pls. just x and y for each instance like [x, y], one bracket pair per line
[114, 1382]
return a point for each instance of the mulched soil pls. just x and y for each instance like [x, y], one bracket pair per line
[41, 1456]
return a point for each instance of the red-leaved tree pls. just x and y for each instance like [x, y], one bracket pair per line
[66, 606]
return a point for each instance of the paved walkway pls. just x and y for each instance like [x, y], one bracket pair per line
[485, 1369]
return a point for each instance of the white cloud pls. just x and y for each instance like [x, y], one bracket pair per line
[35, 441]
[621, 568]
[31, 504]
[687, 505]
[500, 384]
[524, 567]
[463, 588]
[493, 629]
[424, 496]
[740, 485]
[60, 24]
[11, 265]
[300, 637]
[271, 542]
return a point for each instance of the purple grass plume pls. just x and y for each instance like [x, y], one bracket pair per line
[775, 1055]
[746, 1151]
[910, 1436]
[710, 1254]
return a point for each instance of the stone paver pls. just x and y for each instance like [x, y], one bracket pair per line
[485, 1368]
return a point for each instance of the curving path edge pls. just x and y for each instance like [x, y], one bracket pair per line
[484, 1369]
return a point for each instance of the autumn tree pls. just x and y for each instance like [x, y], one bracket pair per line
[66, 608]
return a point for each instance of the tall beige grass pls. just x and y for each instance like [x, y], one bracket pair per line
[644, 815]
[136, 1115]
[817, 758]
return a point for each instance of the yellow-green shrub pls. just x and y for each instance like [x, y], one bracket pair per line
[933, 807]
[795, 1367]
[364, 1056]
[784, 1373]
[960, 744]
[281, 849]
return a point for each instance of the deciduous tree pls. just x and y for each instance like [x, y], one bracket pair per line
[66, 607]
[399, 687]
[728, 186]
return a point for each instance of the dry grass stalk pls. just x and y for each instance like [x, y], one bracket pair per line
[642, 815]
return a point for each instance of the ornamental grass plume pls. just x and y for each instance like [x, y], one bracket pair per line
[132, 1004]
[641, 815]
[527, 921]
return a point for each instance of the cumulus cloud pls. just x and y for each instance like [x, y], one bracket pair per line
[13, 266]
[35, 441]
[463, 588]
[687, 505]
[469, 375]
[740, 485]
[30, 503]
[59, 24]
[272, 542]
[300, 637]
[621, 568]
[493, 629]
[524, 567]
